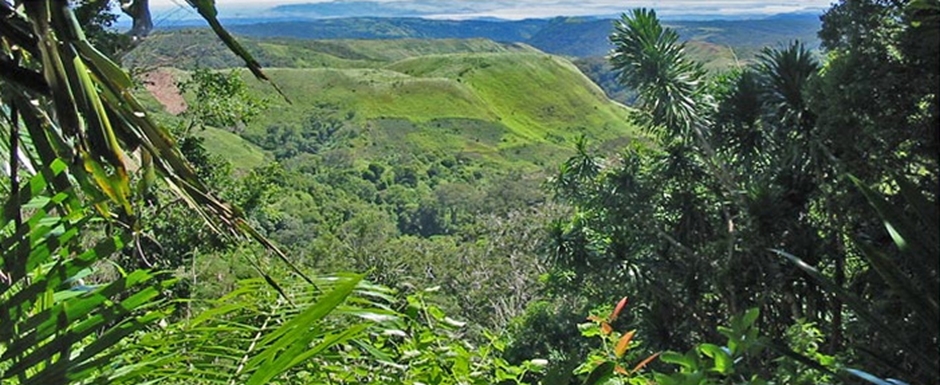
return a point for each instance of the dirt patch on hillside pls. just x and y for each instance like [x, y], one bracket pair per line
[162, 84]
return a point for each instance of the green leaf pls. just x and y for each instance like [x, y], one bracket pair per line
[687, 362]
[862, 309]
[723, 363]
[207, 10]
[294, 335]
[600, 374]
[750, 316]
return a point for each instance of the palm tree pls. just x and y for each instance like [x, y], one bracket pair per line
[650, 59]
[787, 73]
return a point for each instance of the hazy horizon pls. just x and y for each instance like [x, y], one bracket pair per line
[170, 10]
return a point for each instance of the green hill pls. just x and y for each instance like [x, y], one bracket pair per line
[514, 107]
[191, 48]
[497, 104]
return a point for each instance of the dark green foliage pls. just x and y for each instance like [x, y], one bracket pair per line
[320, 131]
[220, 99]
[760, 159]
[547, 330]
[880, 85]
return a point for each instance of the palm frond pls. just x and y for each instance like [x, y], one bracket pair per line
[57, 330]
[251, 336]
[651, 60]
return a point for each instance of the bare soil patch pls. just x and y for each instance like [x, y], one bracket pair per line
[162, 84]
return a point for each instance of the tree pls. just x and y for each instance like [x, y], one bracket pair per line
[881, 85]
[752, 169]
[221, 99]
[650, 59]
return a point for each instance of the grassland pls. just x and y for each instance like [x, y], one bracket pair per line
[191, 48]
[515, 107]
[502, 104]
[241, 153]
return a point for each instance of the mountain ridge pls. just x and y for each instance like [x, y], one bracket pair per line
[569, 36]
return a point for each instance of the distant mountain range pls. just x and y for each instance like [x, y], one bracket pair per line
[371, 8]
[250, 13]
[569, 36]
[718, 44]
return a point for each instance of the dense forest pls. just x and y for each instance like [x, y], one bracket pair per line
[465, 211]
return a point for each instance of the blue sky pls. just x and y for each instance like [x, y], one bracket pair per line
[520, 9]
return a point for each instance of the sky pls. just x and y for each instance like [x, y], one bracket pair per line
[520, 9]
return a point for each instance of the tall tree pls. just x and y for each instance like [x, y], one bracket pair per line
[759, 160]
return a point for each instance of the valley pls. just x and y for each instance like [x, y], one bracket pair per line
[463, 192]
[425, 133]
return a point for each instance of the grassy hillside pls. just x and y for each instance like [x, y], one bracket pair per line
[501, 104]
[191, 48]
[509, 108]
[718, 44]
[241, 153]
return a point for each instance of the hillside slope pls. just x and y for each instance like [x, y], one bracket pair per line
[507, 108]
[498, 104]
[191, 48]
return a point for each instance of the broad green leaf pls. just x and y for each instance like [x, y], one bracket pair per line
[723, 362]
[750, 316]
[685, 361]
[600, 374]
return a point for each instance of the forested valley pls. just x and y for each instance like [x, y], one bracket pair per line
[707, 203]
